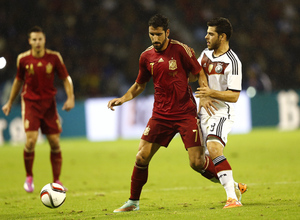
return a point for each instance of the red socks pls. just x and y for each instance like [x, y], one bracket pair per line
[222, 165]
[213, 167]
[28, 160]
[56, 162]
[138, 180]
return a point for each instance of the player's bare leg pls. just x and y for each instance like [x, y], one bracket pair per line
[28, 154]
[139, 175]
[202, 163]
[197, 158]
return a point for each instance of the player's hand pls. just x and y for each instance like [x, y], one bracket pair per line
[69, 104]
[114, 102]
[208, 104]
[6, 109]
[203, 91]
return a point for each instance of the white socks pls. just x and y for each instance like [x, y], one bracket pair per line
[226, 179]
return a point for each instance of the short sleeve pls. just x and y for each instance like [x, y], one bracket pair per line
[144, 74]
[60, 67]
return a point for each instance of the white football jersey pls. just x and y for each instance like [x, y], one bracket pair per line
[223, 73]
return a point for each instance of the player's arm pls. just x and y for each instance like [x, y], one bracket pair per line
[193, 78]
[70, 102]
[206, 102]
[202, 78]
[16, 87]
[227, 96]
[132, 92]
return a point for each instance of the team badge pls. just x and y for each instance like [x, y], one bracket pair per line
[219, 68]
[210, 67]
[147, 130]
[49, 68]
[39, 64]
[172, 65]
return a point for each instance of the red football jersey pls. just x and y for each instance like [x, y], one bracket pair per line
[38, 74]
[173, 97]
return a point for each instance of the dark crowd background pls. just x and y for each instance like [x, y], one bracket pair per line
[101, 40]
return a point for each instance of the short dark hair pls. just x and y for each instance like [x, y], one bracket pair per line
[159, 20]
[35, 29]
[222, 25]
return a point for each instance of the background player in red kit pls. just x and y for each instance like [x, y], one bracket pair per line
[36, 70]
[170, 63]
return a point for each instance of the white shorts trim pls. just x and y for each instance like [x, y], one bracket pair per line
[214, 139]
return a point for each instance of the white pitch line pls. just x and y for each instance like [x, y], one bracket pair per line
[210, 186]
[184, 188]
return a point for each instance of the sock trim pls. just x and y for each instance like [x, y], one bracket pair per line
[219, 159]
[142, 167]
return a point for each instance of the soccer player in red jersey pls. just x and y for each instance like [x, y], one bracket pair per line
[36, 70]
[170, 64]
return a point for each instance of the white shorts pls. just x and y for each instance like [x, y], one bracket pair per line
[216, 127]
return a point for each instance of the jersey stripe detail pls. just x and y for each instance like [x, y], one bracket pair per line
[24, 54]
[228, 109]
[220, 127]
[149, 48]
[186, 47]
[234, 62]
[55, 53]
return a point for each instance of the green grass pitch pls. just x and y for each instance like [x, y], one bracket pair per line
[97, 175]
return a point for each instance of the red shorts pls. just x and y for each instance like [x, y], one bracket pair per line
[41, 114]
[162, 131]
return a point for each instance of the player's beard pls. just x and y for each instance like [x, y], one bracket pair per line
[215, 45]
[159, 45]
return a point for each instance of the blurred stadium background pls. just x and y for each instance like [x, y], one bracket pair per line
[101, 40]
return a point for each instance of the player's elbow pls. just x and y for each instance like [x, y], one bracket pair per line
[234, 95]
[140, 87]
[235, 98]
[193, 78]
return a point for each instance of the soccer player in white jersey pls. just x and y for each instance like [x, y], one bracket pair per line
[220, 83]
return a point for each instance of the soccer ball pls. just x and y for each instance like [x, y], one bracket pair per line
[53, 195]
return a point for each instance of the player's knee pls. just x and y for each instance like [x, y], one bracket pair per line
[211, 149]
[215, 149]
[30, 144]
[54, 143]
[141, 160]
[55, 147]
[197, 165]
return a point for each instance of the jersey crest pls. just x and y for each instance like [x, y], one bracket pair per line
[219, 68]
[172, 65]
[49, 68]
[211, 67]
